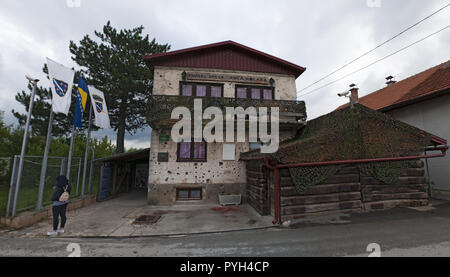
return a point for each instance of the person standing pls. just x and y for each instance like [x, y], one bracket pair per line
[60, 200]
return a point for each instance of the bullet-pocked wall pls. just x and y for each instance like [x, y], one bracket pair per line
[167, 82]
[215, 175]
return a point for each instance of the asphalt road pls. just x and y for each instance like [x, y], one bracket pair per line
[398, 232]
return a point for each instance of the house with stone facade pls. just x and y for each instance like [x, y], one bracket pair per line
[224, 74]
[352, 160]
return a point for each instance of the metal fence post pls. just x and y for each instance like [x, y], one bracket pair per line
[86, 154]
[12, 187]
[78, 176]
[39, 205]
[91, 171]
[69, 159]
[63, 165]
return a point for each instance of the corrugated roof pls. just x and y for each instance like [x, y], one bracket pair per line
[227, 55]
[416, 87]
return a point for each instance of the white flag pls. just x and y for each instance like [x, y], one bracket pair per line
[61, 79]
[100, 109]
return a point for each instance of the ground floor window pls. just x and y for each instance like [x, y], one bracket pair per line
[189, 193]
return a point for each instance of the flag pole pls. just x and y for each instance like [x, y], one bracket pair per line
[45, 161]
[69, 159]
[86, 154]
[24, 143]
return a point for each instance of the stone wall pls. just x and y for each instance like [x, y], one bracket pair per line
[215, 175]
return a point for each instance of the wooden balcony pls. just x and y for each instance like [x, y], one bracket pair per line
[160, 107]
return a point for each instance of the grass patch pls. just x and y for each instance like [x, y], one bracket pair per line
[27, 198]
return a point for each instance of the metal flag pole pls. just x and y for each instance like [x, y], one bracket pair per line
[45, 161]
[86, 154]
[24, 143]
[69, 159]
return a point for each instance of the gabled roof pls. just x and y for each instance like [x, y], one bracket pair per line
[227, 55]
[429, 83]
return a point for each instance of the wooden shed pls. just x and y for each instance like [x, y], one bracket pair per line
[123, 173]
[351, 160]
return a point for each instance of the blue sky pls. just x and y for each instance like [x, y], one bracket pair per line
[319, 35]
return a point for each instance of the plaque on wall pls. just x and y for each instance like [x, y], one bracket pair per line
[164, 137]
[163, 157]
[220, 77]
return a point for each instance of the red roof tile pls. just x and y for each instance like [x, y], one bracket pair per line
[426, 83]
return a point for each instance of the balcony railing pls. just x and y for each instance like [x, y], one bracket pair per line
[160, 107]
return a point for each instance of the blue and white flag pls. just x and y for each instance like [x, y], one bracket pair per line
[61, 79]
[100, 109]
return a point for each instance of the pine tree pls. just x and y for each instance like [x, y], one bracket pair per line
[114, 65]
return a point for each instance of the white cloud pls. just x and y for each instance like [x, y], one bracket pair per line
[319, 35]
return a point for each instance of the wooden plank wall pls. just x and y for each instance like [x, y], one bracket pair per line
[257, 188]
[411, 190]
[348, 190]
[339, 193]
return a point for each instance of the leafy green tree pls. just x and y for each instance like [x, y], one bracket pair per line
[113, 63]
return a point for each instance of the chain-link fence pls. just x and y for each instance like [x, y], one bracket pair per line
[28, 193]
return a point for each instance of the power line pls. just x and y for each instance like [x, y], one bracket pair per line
[370, 51]
[377, 61]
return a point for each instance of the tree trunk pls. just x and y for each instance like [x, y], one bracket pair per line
[120, 148]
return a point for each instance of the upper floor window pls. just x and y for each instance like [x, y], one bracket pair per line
[201, 89]
[266, 93]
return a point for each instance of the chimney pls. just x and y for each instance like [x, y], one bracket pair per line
[354, 98]
[390, 80]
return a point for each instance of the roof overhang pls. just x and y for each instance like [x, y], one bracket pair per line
[128, 156]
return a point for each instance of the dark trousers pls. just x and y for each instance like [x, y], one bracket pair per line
[59, 211]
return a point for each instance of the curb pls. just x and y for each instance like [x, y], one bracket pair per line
[160, 235]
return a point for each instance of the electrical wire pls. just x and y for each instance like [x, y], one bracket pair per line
[377, 61]
[370, 51]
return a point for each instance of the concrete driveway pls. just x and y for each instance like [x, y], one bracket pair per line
[116, 218]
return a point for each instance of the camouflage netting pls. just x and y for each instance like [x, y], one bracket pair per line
[351, 134]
